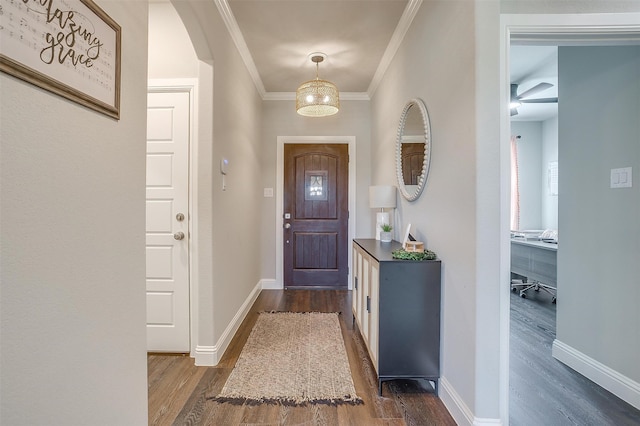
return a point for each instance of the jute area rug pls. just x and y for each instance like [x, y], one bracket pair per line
[292, 359]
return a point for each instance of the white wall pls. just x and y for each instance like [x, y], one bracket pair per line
[529, 172]
[72, 272]
[281, 119]
[565, 6]
[537, 146]
[549, 154]
[598, 266]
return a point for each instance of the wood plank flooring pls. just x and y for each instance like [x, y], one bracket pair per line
[177, 388]
[544, 391]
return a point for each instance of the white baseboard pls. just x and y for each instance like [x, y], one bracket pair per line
[478, 421]
[459, 410]
[270, 284]
[206, 356]
[622, 386]
[209, 356]
[454, 403]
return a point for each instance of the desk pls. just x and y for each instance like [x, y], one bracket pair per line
[537, 261]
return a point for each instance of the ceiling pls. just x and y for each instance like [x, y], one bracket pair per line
[529, 66]
[280, 35]
[359, 37]
[276, 37]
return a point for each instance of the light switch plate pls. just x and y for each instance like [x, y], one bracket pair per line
[268, 192]
[622, 178]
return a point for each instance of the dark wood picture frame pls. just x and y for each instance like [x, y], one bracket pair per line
[69, 47]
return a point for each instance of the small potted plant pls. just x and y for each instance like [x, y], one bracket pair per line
[385, 233]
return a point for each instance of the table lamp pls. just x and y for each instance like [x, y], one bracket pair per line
[382, 197]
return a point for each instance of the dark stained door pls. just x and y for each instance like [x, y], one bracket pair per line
[316, 215]
[412, 162]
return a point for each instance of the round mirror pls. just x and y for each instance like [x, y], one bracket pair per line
[413, 149]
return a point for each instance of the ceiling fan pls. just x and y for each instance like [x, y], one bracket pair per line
[522, 98]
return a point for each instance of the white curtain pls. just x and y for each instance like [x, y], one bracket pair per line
[515, 186]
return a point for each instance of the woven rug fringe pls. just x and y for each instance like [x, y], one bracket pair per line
[302, 313]
[346, 400]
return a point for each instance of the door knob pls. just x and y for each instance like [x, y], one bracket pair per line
[178, 235]
[179, 217]
[287, 225]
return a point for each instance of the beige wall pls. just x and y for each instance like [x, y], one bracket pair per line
[437, 65]
[230, 219]
[171, 54]
[281, 119]
[72, 313]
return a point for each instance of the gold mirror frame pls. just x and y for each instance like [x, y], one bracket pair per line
[412, 192]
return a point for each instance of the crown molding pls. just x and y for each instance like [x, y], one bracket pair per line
[279, 96]
[396, 39]
[291, 96]
[241, 44]
[394, 44]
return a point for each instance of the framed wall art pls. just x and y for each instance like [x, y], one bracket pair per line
[68, 47]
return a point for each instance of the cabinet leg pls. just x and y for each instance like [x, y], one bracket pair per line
[379, 387]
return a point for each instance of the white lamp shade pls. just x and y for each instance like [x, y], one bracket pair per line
[382, 197]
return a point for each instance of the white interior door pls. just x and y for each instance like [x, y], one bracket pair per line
[168, 222]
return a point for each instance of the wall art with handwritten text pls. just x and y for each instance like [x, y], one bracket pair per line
[69, 47]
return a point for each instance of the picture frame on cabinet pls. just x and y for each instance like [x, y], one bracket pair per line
[407, 237]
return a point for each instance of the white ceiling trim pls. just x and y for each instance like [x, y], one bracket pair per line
[398, 35]
[622, 35]
[291, 96]
[409, 13]
[241, 44]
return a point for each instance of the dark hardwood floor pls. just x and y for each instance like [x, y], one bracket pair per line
[544, 391]
[178, 389]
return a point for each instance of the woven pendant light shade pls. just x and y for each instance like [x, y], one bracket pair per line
[317, 98]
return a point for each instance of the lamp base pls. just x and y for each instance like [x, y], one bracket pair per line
[381, 219]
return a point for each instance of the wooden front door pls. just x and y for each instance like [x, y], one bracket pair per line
[316, 215]
[412, 162]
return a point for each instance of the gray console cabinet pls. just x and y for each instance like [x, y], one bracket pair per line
[396, 304]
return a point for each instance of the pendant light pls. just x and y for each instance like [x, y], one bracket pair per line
[317, 98]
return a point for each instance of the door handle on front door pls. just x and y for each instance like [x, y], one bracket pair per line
[180, 217]
[287, 225]
[178, 235]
